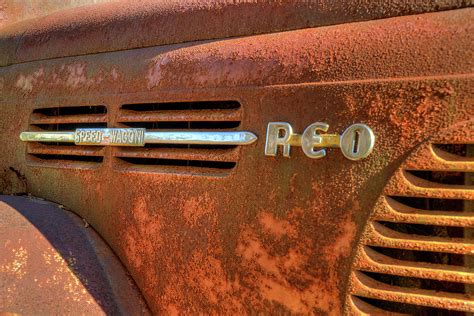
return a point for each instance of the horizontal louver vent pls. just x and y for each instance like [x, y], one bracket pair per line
[66, 119]
[184, 116]
[417, 252]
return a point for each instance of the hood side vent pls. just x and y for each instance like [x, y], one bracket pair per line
[184, 116]
[210, 115]
[416, 254]
[56, 118]
[66, 118]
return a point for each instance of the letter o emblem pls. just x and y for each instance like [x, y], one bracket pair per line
[357, 142]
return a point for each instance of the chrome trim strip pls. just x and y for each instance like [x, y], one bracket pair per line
[201, 138]
[132, 137]
[59, 137]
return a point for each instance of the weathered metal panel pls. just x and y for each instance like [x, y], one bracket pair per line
[52, 263]
[276, 233]
[120, 25]
[13, 11]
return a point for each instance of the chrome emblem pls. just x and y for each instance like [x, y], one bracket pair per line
[110, 137]
[356, 142]
[139, 137]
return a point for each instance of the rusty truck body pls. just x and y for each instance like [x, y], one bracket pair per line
[223, 157]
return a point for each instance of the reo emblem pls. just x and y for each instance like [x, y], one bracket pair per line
[356, 142]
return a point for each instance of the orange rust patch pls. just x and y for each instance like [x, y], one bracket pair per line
[277, 228]
[199, 207]
[285, 279]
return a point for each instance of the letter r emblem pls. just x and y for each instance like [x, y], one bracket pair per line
[278, 134]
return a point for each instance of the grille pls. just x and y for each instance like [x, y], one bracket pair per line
[66, 119]
[192, 116]
[416, 254]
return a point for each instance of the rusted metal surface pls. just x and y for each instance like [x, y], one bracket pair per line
[272, 234]
[120, 25]
[50, 263]
[365, 286]
[426, 157]
[12, 11]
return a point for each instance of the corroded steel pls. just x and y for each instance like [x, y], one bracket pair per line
[393, 211]
[51, 264]
[272, 234]
[380, 236]
[120, 25]
[404, 183]
[387, 209]
[19, 10]
[438, 159]
[360, 307]
[367, 287]
[65, 150]
[372, 261]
